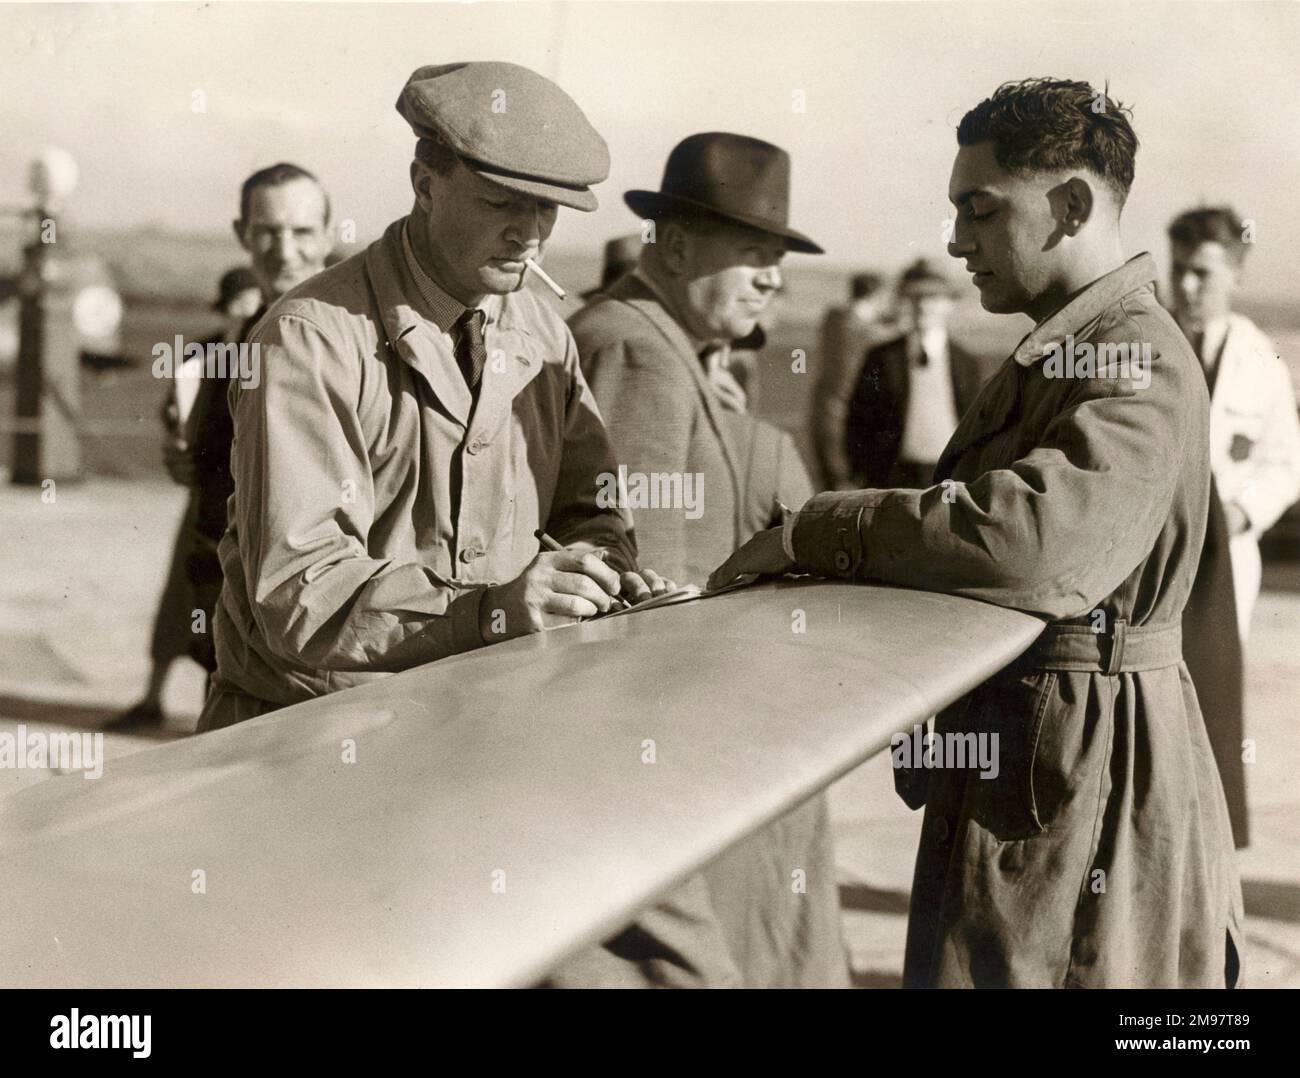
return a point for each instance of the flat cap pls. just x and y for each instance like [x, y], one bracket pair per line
[510, 125]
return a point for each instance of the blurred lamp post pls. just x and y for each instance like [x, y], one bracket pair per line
[47, 387]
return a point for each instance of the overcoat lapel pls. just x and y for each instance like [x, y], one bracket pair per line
[409, 335]
[637, 296]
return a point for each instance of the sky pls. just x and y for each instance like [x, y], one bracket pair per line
[883, 85]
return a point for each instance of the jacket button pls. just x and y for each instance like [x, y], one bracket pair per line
[941, 830]
[469, 554]
[842, 561]
[475, 446]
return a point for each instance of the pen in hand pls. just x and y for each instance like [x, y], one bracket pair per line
[550, 544]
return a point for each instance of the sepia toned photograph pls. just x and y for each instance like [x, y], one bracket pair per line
[650, 495]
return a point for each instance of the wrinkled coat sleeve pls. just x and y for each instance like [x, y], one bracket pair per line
[1052, 534]
[576, 516]
[304, 504]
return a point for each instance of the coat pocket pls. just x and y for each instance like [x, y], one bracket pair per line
[1008, 717]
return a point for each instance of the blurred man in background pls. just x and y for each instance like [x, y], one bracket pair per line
[283, 224]
[238, 297]
[846, 335]
[1254, 432]
[1255, 456]
[912, 390]
[619, 259]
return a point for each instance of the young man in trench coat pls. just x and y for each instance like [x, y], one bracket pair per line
[1101, 854]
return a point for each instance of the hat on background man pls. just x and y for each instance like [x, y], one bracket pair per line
[923, 278]
[621, 257]
[511, 126]
[734, 177]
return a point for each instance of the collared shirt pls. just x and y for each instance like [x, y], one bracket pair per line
[931, 415]
[441, 308]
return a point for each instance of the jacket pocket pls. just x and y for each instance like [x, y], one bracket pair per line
[1008, 718]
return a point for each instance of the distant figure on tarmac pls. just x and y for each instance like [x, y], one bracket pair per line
[237, 297]
[283, 224]
[1254, 431]
[846, 335]
[912, 389]
[1255, 457]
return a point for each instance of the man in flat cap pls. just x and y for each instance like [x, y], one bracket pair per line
[1075, 488]
[651, 346]
[418, 417]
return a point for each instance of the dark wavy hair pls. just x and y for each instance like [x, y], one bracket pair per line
[1210, 224]
[1044, 124]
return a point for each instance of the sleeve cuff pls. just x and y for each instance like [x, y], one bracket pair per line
[826, 535]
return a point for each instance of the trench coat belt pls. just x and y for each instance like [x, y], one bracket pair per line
[1126, 648]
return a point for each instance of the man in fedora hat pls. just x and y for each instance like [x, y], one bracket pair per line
[736, 381]
[419, 416]
[912, 389]
[651, 347]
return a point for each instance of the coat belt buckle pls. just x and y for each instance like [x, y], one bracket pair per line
[1115, 658]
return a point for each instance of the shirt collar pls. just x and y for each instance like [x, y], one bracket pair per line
[440, 308]
[1138, 272]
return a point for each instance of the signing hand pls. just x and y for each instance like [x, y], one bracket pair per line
[762, 554]
[638, 587]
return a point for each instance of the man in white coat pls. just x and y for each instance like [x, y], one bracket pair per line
[1254, 432]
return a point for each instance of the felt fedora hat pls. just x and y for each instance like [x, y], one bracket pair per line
[729, 176]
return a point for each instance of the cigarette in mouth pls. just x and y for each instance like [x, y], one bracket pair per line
[546, 279]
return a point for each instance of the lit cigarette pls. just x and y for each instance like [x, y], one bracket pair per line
[546, 279]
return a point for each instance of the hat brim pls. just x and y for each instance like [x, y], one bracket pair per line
[577, 198]
[650, 204]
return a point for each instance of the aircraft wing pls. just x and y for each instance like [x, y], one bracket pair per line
[474, 821]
